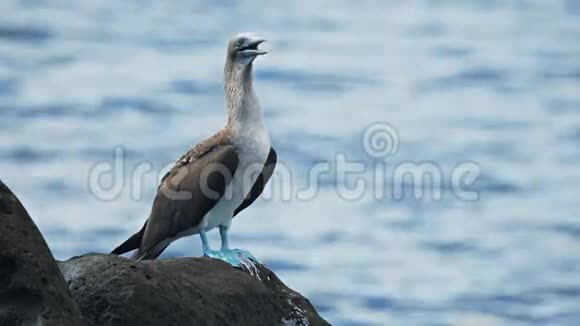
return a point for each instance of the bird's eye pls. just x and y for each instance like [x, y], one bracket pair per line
[240, 43]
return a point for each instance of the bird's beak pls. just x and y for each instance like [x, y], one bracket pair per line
[252, 48]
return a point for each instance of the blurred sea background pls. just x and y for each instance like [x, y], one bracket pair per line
[493, 82]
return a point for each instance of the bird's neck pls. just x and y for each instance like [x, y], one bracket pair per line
[242, 103]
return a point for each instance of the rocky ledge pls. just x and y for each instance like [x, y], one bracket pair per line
[98, 289]
[111, 290]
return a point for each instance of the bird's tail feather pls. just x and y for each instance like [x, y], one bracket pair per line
[152, 252]
[134, 242]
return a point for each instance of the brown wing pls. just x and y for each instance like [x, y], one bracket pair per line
[261, 182]
[214, 145]
[186, 193]
[190, 156]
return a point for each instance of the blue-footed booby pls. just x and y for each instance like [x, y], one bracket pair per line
[217, 178]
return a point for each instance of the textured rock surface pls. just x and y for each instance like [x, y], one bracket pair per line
[32, 289]
[112, 290]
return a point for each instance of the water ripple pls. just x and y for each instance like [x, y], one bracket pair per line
[27, 34]
[192, 87]
[112, 105]
[27, 154]
[8, 87]
[458, 248]
[281, 265]
[488, 77]
[305, 81]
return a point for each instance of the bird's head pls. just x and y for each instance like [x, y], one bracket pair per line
[243, 48]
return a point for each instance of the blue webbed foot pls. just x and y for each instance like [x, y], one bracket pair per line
[234, 257]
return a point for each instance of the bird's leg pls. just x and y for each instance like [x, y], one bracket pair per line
[204, 242]
[234, 257]
[224, 235]
[205, 245]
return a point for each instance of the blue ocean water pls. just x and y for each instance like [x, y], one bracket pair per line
[496, 83]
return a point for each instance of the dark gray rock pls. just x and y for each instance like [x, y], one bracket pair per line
[112, 290]
[32, 289]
